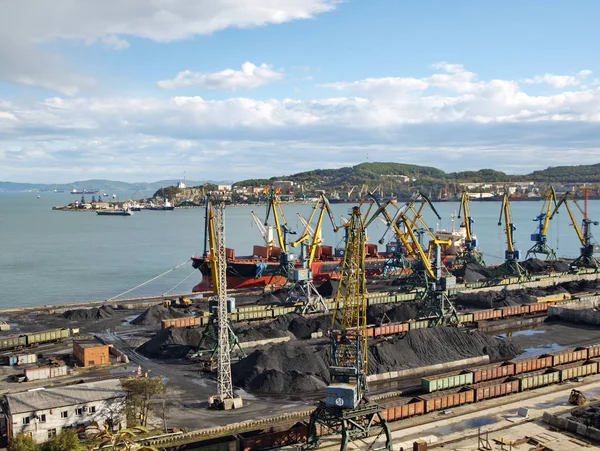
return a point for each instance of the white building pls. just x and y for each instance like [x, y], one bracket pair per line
[45, 412]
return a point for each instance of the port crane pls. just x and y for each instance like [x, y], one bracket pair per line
[471, 252]
[540, 238]
[304, 289]
[584, 234]
[218, 338]
[511, 265]
[346, 410]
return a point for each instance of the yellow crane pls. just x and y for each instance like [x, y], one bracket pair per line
[584, 234]
[512, 256]
[540, 238]
[346, 409]
[304, 289]
[471, 252]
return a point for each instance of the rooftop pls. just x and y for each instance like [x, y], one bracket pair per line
[51, 398]
[88, 343]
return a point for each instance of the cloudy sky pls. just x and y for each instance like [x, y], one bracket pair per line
[142, 90]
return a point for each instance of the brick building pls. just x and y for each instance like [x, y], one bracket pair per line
[91, 353]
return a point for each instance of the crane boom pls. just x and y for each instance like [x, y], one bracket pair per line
[564, 200]
[508, 224]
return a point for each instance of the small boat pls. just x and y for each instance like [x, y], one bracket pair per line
[125, 212]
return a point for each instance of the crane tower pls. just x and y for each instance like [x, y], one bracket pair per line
[225, 398]
[346, 410]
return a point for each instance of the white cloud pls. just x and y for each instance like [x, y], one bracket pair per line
[24, 25]
[487, 123]
[115, 42]
[250, 76]
[560, 81]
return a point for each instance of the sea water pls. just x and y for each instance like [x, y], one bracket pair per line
[49, 257]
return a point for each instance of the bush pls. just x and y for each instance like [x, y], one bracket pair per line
[67, 440]
[22, 442]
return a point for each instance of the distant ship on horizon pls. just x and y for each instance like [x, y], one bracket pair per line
[85, 191]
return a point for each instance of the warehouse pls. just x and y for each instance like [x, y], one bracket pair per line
[44, 413]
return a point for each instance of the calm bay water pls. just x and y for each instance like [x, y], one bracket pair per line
[49, 257]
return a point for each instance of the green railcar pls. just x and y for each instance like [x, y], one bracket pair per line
[431, 384]
[13, 342]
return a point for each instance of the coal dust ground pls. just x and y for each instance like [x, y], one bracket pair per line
[303, 366]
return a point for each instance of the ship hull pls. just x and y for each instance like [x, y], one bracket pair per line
[249, 272]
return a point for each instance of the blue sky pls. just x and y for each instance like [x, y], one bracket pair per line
[141, 91]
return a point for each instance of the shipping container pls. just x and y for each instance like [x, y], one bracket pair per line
[446, 381]
[24, 359]
[57, 371]
[32, 374]
[493, 371]
[593, 351]
[448, 398]
[532, 363]
[259, 440]
[569, 356]
[574, 370]
[494, 388]
[537, 379]
[412, 408]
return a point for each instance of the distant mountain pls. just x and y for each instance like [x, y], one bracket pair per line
[100, 184]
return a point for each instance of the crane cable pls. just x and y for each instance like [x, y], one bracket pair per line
[179, 283]
[148, 281]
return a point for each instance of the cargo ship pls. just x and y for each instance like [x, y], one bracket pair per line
[264, 267]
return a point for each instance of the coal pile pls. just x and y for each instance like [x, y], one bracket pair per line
[246, 332]
[590, 416]
[175, 342]
[506, 298]
[155, 314]
[535, 266]
[328, 289]
[472, 272]
[436, 345]
[383, 313]
[276, 297]
[302, 327]
[280, 367]
[88, 314]
[305, 366]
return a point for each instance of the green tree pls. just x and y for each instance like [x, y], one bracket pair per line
[22, 442]
[67, 440]
[140, 391]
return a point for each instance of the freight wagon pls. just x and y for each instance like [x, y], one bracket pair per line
[493, 371]
[47, 336]
[445, 381]
[537, 379]
[412, 408]
[45, 372]
[535, 363]
[449, 398]
[186, 321]
[569, 355]
[495, 388]
[593, 351]
[575, 370]
[13, 342]
[259, 440]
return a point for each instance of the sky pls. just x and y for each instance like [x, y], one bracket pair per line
[145, 90]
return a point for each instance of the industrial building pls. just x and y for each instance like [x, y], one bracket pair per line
[45, 412]
[91, 353]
